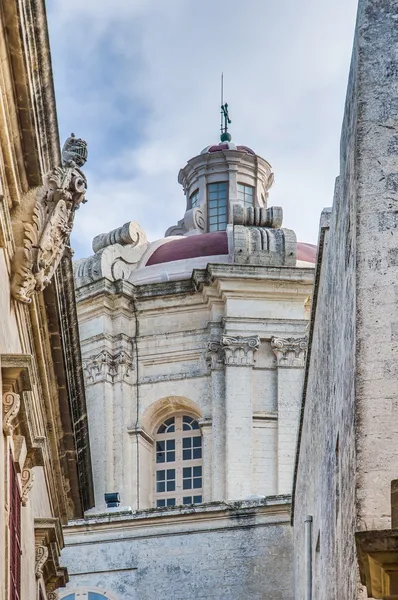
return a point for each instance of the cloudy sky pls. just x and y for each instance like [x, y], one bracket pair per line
[140, 79]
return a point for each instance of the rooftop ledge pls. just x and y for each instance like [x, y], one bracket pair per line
[242, 508]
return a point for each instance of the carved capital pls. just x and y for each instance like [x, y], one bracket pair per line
[240, 350]
[11, 406]
[215, 355]
[289, 352]
[106, 366]
[47, 230]
[27, 477]
[41, 559]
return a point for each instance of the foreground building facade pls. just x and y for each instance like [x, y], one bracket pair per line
[193, 349]
[45, 471]
[346, 463]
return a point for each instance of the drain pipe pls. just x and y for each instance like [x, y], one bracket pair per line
[308, 558]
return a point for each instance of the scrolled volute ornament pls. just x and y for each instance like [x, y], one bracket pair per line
[47, 234]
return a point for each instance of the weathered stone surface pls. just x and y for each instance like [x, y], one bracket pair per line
[348, 440]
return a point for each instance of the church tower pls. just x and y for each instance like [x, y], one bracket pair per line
[193, 349]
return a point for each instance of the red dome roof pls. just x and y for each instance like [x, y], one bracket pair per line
[207, 244]
[210, 244]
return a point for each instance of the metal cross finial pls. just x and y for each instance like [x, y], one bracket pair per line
[225, 120]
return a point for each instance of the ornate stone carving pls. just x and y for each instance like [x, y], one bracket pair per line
[215, 355]
[289, 352]
[240, 350]
[130, 234]
[194, 219]
[48, 233]
[52, 596]
[259, 240]
[106, 366]
[11, 406]
[27, 478]
[41, 559]
[258, 217]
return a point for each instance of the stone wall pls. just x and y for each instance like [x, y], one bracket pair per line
[242, 551]
[349, 444]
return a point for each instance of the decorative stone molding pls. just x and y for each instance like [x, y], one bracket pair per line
[106, 366]
[130, 234]
[11, 406]
[240, 350]
[40, 560]
[49, 541]
[27, 477]
[47, 233]
[259, 240]
[194, 220]
[257, 216]
[289, 352]
[215, 355]
[117, 255]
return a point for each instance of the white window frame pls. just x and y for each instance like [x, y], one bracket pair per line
[179, 434]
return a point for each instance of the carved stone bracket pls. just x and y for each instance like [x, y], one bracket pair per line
[49, 541]
[40, 560]
[27, 477]
[289, 352]
[106, 366]
[47, 231]
[11, 406]
[240, 350]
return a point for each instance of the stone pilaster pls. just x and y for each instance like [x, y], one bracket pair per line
[239, 356]
[290, 358]
[215, 359]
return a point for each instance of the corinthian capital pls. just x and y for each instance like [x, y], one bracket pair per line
[240, 350]
[289, 352]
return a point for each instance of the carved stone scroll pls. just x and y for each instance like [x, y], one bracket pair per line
[215, 355]
[130, 234]
[240, 350]
[27, 478]
[289, 352]
[47, 233]
[41, 559]
[11, 406]
[257, 216]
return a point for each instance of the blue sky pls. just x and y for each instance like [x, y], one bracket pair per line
[140, 79]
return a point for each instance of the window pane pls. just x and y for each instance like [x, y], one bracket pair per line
[187, 500]
[171, 456]
[197, 441]
[160, 486]
[171, 473]
[187, 484]
[95, 596]
[195, 425]
[160, 503]
[187, 442]
[197, 483]
[170, 445]
[197, 453]
[187, 472]
[197, 471]
[171, 501]
[197, 499]
[171, 486]
[187, 454]
[160, 475]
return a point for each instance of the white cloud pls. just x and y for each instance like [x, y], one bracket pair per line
[139, 79]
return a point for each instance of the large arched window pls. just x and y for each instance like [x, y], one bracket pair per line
[178, 473]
